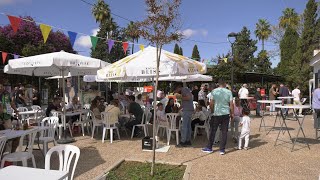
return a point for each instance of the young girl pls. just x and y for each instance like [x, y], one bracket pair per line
[245, 130]
[237, 114]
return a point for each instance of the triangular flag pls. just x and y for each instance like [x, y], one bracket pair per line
[94, 41]
[15, 56]
[15, 22]
[72, 37]
[4, 57]
[141, 47]
[110, 44]
[225, 60]
[125, 47]
[45, 30]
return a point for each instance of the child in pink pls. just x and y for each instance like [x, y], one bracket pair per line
[237, 114]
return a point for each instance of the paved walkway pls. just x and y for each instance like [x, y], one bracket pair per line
[262, 161]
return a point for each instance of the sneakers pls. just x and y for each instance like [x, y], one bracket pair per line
[222, 152]
[245, 148]
[207, 150]
[184, 144]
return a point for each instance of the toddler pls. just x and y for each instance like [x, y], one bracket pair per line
[198, 117]
[245, 130]
[161, 115]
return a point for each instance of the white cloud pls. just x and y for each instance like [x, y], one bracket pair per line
[187, 33]
[85, 41]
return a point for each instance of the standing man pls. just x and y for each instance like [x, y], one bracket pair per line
[316, 106]
[222, 107]
[36, 97]
[20, 98]
[187, 109]
[296, 98]
[195, 93]
[258, 97]
[243, 94]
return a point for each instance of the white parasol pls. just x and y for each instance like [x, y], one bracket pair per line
[56, 64]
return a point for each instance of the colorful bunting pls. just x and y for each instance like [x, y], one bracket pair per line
[45, 30]
[94, 41]
[72, 37]
[125, 47]
[4, 57]
[15, 22]
[225, 60]
[110, 44]
[141, 47]
[16, 56]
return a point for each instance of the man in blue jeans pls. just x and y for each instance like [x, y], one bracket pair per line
[187, 110]
[222, 107]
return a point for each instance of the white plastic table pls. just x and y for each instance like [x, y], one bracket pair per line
[26, 173]
[299, 120]
[11, 134]
[285, 97]
[263, 112]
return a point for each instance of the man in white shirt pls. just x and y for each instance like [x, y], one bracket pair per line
[296, 98]
[243, 94]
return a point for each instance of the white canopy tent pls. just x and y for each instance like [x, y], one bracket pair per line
[188, 78]
[142, 64]
[56, 64]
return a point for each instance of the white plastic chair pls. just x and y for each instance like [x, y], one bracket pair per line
[172, 118]
[165, 126]
[205, 126]
[60, 126]
[3, 141]
[95, 122]
[83, 120]
[144, 123]
[35, 107]
[107, 126]
[48, 126]
[87, 106]
[22, 155]
[24, 117]
[66, 154]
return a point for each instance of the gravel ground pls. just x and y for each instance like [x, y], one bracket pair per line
[262, 161]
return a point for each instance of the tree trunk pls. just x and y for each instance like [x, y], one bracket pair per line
[132, 46]
[262, 44]
[159, 47]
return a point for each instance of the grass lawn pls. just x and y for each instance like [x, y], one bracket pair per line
[137, 170]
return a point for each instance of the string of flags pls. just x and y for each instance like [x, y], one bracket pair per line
[46, 29]
[5, 55]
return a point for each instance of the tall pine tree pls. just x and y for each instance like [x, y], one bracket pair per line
[181, 51]
[288, 46]
[305, 46]
[244, 49]
[176, 49]
[195, 53]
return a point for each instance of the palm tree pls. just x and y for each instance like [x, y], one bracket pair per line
[263, 30]
[132, 33]
[101, 11]
[290, 18]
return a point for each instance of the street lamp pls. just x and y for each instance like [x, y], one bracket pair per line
[232, 39]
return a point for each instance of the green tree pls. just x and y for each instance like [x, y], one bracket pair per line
[288, 46]
[181, 51]
[263, 30]
[244, 49]
[101, 11]
[108, 29]
[176, 49]
[195, 53]
[222, 69]
[290, 18]
[160, 27]
[132, 32]
[263, 64]
[306, 45]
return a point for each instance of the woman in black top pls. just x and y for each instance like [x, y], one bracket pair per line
[171, 107]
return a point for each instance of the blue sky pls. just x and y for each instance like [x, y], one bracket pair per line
[202, 20]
